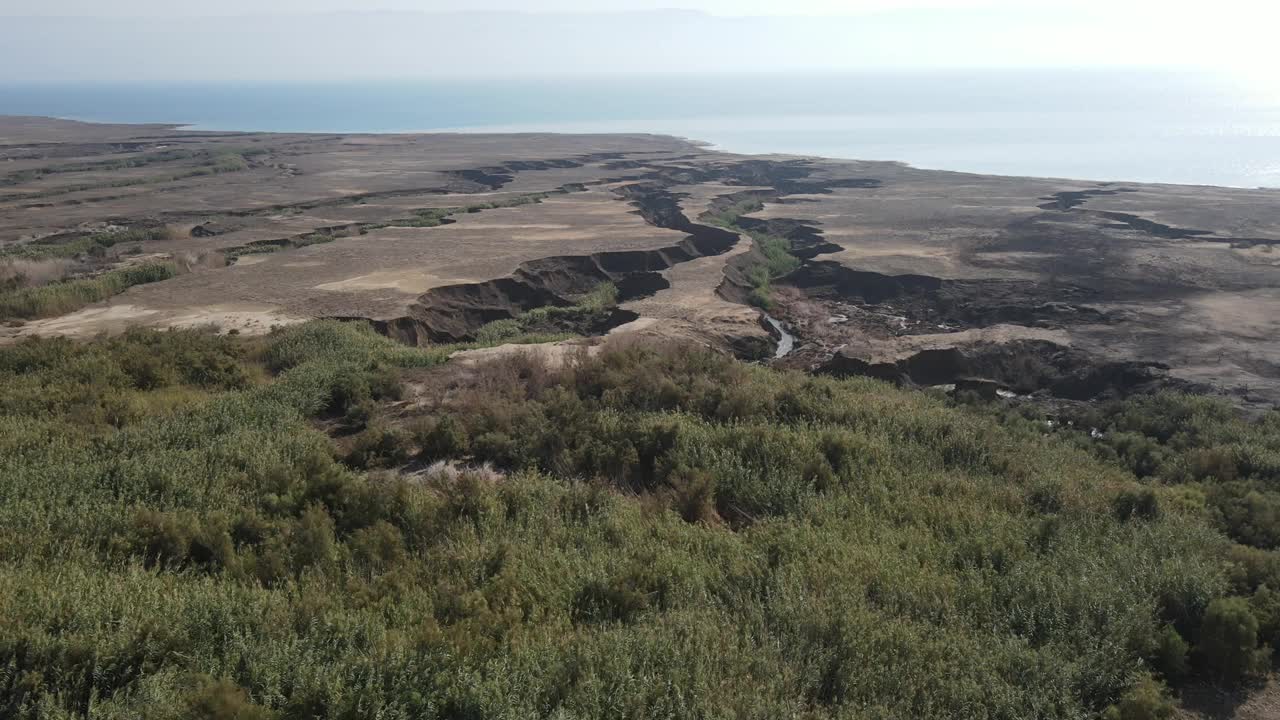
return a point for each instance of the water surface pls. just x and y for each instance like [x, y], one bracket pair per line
[1137, 126]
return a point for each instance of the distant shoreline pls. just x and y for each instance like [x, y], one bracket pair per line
[720, 145]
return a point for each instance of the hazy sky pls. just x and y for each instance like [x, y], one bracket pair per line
[236, 7]
[154, 40]
[1229, 11]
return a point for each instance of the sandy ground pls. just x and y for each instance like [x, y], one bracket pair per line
[1209, 703]
[244, 319]
[550, 355]
[691, 307]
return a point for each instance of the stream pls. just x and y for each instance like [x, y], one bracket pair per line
[787, 342]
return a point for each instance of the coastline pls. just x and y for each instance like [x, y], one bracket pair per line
[630, 130]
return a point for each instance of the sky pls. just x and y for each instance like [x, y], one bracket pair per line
[1229, 11]
[290, 40]
[255, 7]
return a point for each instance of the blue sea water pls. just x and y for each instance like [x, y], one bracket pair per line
[1120, 125]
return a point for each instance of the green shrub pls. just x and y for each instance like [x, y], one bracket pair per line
[676, 534]
[378, 447]
[442, 439]
[313, 541]
[617, 601]
[761, 296]
[1136, 505]
[378, 547]
[1265, 604]
[771, 257]
[1247, 513]
[1233, 462]
[160, 538]
[603, 297]
[224, 700]
[64, 246]
[1170, 654]
[229, 162]
[1146, 701]
[499, 331]
[352, 394]
[1228, 640]
[591, 307]
[69, 295]
[1249, 568]
[694, 497]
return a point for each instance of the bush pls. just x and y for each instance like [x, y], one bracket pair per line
[313, 542]
[761, 296]
[1136, 505]
[353, 393]
[160, 538]
[378, 447]
[499, 331]
[95, 244]
[1248, 514]
[771, 256]
[69, 295]
[603, 297]
[693, 497]
[1265, 604]
[1228, 640]
[1145, 701]
[617, 601]
[1249, 568]
[541, 324]
[1170, 654]
[442, 439]
[224, 700]
[378, 547]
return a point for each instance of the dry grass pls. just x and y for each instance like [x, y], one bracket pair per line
[20, 273]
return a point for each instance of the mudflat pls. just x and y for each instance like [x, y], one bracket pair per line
[1071, 288]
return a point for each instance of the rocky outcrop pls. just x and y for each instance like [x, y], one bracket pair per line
[1025, 367]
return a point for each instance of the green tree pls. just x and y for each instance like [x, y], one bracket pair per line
[1145, 701]
[1229, 639]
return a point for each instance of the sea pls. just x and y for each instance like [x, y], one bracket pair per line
[1119, 125]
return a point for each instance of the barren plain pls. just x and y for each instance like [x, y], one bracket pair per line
[1065, 288]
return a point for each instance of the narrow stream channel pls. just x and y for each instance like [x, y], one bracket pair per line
[787, 343]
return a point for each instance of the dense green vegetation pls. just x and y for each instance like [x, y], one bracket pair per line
[1220, 463]
[92, 244]
[547, 321]
[666, 533]
[770, 258]
[66, 296]
[776, 261]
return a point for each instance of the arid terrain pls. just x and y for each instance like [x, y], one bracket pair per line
[1068, 288]
[511, 425]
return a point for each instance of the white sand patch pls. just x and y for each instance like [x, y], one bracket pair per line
[246, 319]
[524, 226]
[410, 282]
[112, 319]
[552, 355]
